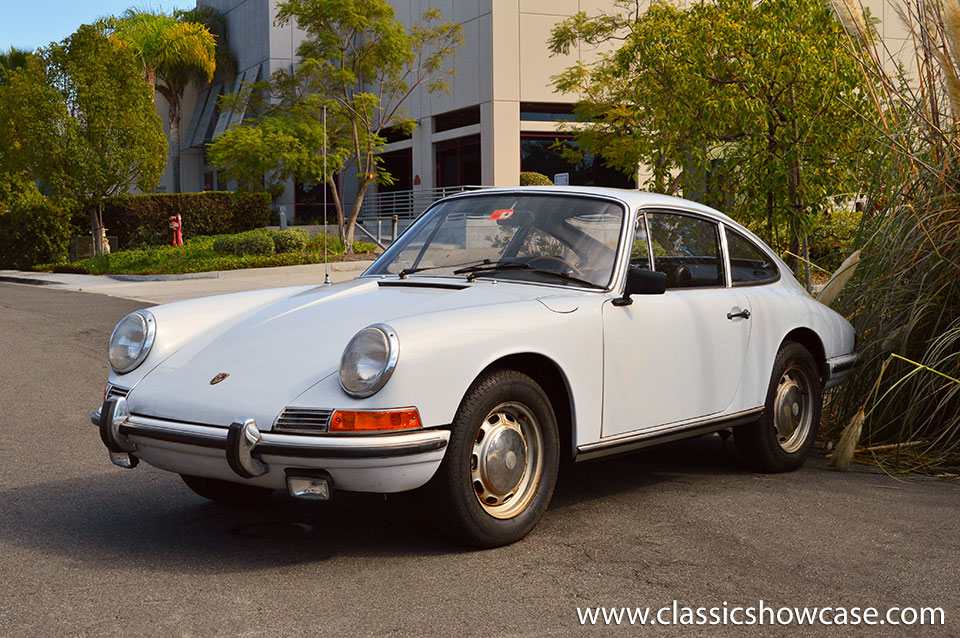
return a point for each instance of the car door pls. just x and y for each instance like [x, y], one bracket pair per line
[677, 356]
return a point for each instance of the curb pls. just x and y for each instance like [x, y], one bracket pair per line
[187, 275]
[27, 280]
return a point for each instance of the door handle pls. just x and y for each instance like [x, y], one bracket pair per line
[743, 314]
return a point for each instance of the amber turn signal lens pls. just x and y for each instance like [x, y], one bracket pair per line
[350, 421]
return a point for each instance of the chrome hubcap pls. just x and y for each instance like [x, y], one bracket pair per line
[792, 414]
[506, 460]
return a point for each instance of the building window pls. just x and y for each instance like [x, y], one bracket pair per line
[400, 166]
[308, 202]
[394, 134]
[538, 154]
[545, 112]
[456, 119]
[458, 161]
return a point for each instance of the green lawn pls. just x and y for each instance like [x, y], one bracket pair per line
[197, 255]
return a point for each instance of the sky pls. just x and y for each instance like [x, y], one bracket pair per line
[28, 24]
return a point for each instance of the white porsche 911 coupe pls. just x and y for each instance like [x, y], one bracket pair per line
[506, 331]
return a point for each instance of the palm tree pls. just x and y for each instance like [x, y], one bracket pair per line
[11, 60]
[173, 52]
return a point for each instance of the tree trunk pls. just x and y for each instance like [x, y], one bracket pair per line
[151, 77]
[795, 189]
[96, 230]
[337, 205]
[354, 214]
[174, 115]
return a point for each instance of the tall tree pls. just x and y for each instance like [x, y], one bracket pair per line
[175, 50]
[80, 118]
[283, 138]
[364, 63]
[764, 97]
[12, 60]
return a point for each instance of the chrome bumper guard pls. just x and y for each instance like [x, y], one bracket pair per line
[245, 445]
[839, 369]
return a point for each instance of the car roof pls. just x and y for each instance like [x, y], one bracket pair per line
[633, 198]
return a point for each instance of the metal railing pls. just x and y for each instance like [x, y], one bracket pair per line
[406, 204]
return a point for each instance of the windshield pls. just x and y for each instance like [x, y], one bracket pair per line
[556, 239]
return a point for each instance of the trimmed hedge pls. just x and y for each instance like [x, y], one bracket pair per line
[35, 233]
[143, 220]
[263, 241]
[291, 240]
[531, 178]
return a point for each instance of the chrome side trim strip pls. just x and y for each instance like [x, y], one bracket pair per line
[664, 434]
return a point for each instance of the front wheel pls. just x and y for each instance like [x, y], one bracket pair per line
[782, 439]
[501, 464]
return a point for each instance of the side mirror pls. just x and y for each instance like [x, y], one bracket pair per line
[642, 282]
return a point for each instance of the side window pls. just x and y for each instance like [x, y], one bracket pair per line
[687, 249]
[748, 264]
[640, 251]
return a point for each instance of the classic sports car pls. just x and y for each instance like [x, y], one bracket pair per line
[506, 331]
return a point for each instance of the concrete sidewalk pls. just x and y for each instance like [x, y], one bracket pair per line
[166, 288]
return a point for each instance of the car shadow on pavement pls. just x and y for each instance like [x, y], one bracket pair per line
[149, 518]
[632, 471]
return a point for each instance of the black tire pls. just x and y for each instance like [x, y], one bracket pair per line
[794, 398]
[505, 405]
[226, 491]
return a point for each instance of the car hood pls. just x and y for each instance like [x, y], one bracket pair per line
[274, 353]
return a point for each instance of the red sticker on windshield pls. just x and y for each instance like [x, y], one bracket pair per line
[502, 213]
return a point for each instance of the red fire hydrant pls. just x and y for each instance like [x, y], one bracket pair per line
[176, 233]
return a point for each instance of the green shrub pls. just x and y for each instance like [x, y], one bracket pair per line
[36, 231]
[139, 220]
[530, 178]
[254, 243]
[291, 240]
[833, 237]
[225, 244]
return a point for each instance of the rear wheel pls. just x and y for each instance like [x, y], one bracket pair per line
[501, 465]
[782, 439]
[226, 491]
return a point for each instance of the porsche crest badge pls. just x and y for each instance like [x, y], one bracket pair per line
[220, 377]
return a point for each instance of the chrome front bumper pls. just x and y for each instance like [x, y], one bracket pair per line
[241, 453]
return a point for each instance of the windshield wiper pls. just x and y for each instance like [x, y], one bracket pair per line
[481, 269]
[567, 277]
[409, 271]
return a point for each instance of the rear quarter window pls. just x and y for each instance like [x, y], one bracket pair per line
[748, 264]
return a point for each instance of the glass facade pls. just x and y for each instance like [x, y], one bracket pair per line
[538, 153]
[458, 161]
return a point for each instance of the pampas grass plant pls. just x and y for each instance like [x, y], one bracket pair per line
[901, 408]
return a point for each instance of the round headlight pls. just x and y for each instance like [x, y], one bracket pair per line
[131, 341]
[369, 360]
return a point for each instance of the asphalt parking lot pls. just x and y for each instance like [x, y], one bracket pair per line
[88, 549]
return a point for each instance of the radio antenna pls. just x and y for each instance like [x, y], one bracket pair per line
[326, 266]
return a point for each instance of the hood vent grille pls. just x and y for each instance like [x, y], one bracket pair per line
[304, 420]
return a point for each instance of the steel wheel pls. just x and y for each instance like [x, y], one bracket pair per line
[792, 416]
[783, 437]
[507, 459]
[501, 464]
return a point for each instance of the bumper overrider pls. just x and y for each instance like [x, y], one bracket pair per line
[306, 465]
